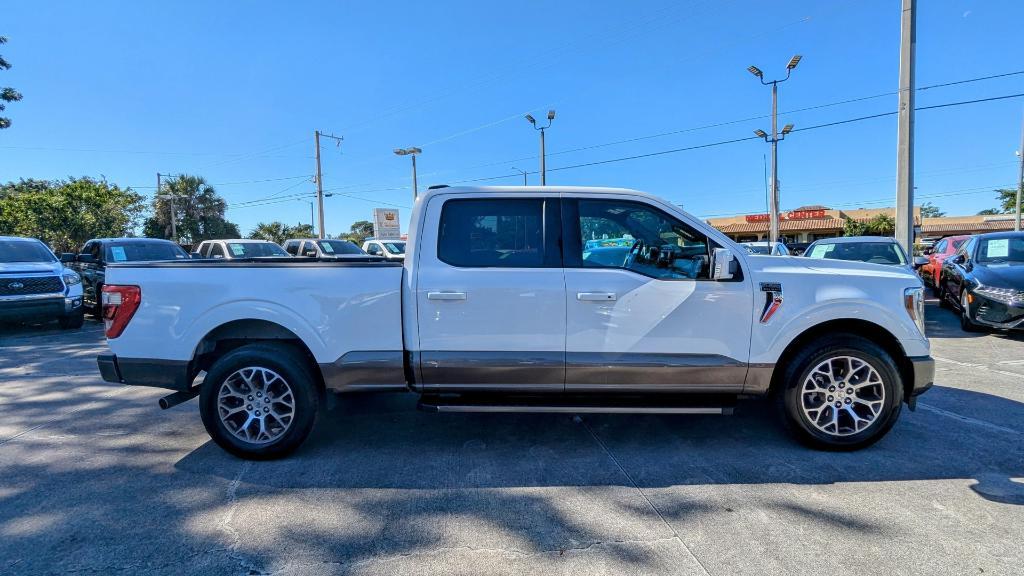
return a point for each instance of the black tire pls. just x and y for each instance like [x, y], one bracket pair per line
[72, 322]
[789, 395]
[943, 297]
[966, 324]
[293, 367]
[97, 307]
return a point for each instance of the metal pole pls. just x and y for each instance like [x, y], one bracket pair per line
[1020, 180]
[905, 132]
[543, 166]
[319, 185]
[312, 224]
[773, 202]
[525, 184]
[415, 187]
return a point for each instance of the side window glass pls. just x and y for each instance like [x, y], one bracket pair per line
[373, 249]
[504, 233]
[291, 247]
[637, 237]
[216, 250]
[96, 251]
[941, 247]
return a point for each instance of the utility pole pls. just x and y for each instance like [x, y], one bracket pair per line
[319, 179]
[311, 223]
[773, 199]
[523, 172]
[905, 131]
[411, 152]
[170, 198]
[543, 167]
[1020, 179]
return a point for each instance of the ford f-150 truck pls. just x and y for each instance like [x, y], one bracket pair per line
[545, 299]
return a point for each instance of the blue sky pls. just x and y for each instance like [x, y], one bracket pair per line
[233, 92]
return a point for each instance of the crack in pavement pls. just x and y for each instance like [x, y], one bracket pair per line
[472, 549]
[638, 489]
[229, 516]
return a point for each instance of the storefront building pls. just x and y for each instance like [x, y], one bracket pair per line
[810, 223]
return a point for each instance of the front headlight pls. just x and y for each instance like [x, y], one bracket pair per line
[71, 278]
[913, 301]
[1003, 295]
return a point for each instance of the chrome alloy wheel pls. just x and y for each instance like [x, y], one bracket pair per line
[842, 395]
[256, 405]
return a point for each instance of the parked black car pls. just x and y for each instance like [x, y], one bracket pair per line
[984, 280]
[92, 261]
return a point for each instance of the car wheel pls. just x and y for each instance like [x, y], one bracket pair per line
[966, 324]
[72, 322]
[841, 393]
[260, 401]
[943, 296]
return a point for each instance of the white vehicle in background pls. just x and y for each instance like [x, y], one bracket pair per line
[871, 249]
[389, 249]
[329, 248]
[520, 299]
[766, 248]
[241, 248]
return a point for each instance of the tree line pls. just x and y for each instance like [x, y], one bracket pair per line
[68, 212]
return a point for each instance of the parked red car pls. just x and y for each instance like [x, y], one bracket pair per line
[943, 249]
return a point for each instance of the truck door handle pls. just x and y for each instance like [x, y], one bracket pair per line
[595, 296]
[446, 295]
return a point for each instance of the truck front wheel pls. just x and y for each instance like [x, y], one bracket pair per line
[259, 401]
[841, 393]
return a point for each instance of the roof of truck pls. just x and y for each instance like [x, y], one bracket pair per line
[534, 190]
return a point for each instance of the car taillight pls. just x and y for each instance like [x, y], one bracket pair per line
[119, 305]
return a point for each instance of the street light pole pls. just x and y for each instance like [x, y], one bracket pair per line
[170, 197]
[543, 166]
[523, 172]
[411, 152]
[319, 179]
[1020, 179]
[776, 137]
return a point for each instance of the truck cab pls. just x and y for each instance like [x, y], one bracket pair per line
[549, 299]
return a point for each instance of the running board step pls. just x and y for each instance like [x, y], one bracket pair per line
[577, 405]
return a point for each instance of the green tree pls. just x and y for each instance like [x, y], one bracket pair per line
[198, 209]
[66, 213]
[989, 212]
[359, 232]
[279, 232]
[1007, 198]
[7, 94]
[929, 210]
[881, 225]
[854, 228]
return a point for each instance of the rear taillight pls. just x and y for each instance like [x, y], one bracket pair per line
[119, 305]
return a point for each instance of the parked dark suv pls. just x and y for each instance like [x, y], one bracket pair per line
[91, 263]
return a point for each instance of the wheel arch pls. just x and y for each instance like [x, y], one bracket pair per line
[237, 333]
[856, 327]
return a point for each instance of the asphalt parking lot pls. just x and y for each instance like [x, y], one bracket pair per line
[95, 478]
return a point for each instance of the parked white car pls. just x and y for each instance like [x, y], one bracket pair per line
[553, 299]
[389, 249]
[240, 248]
[766, 247]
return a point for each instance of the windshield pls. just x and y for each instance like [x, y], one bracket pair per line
[339, 247]
[394, 247]
[254, 249]
[758, 249]
[871, 252]
[143, 252]
[1001, 250]
[25, 251]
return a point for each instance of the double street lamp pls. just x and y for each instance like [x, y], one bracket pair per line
[533, 121]
[774, 139]
[411, 152]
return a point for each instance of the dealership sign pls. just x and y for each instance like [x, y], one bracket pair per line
[386, 223]
[793, 215]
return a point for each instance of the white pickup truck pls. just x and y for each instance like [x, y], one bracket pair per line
[527, 299]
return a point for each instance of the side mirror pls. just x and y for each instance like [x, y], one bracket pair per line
[919, 261]
[722, 264]
[958, 259]
[218, 256]
[85, 258]
[67, 257]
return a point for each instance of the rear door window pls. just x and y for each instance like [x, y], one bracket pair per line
[497, 233]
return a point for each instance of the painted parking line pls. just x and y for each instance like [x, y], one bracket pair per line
[981, 366]
[967, 419]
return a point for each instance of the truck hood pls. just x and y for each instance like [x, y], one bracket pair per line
[31, 267]
[802, 264]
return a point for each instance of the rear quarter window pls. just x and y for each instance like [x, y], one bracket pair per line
[500, 233]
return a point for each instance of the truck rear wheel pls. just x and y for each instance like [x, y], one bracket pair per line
[259, 401]
[841, 393]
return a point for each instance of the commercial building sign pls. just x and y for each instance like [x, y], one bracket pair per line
[386, 223]
[792, 215]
